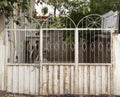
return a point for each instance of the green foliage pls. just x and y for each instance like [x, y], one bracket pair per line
[57, 4]
[76, 9]
[8, 6]
[17, 21]
[44, 10]
[103, 6]
[25, 5]
[32, 21]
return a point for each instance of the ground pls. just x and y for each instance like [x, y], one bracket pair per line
[5, 94]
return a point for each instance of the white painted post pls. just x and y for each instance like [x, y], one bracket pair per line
[116, 81]
[2, 64]
[5, 60]
[41, 45]
[112, 61]
[41, 61]
[76, 60]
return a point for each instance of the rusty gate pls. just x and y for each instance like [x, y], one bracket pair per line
[60, 58]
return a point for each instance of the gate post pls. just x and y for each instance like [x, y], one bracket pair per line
[112, 62]
[5, 61]
[76, 59]
[40, 63]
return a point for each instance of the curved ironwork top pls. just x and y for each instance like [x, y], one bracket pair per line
[90, 21]
[58, 22]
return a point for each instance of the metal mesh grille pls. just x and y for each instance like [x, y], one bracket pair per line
[94, 46]
[58, 46]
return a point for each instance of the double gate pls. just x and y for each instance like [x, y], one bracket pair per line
[60, 58]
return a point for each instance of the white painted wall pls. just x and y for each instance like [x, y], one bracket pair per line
[117, 64]
[108, 17]
[2, 47]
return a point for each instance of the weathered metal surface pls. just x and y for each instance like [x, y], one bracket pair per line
[88, 73]
[59, 61]
[92, 80]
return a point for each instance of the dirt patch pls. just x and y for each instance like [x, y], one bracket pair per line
[6, 94]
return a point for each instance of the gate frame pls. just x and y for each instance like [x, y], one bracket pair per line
[76, 39]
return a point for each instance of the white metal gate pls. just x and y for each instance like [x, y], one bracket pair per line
[60, 58]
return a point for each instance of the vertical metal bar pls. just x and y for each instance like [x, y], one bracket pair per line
[76, 60]
[76, 46]
[106, 60]
[90, 43]
[46, 46]
[32, 48]
[23, 48]
[86, 61]
[102, 76]
[102, 47]
[54, 45]
[5, 60]
[98, 45]
[58, 46]
[18, 57]
[82, 46]
[94, 46]
[112, 61]
[70, 47]
[106, 49]
[24, 51]
[15, 43]
[94, 58]
[13, 66]
[66, 41]
[41, 63]
[50, 43]
[29, 79]
[12, 79]
[25, 55]
[62, 45]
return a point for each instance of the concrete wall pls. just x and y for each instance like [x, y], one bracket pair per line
[2, 47]
[117, 64]
[1, 23]
[2, 57]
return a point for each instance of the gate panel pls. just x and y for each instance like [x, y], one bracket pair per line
[60, 60]
[58, 73]
[58, 79]
[58, 46]
[92, 80]
[95, 61]
[23, 78]
[94, 46]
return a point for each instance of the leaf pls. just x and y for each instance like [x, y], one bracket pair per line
[5, 3]
[17, 22]
[38, 27]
